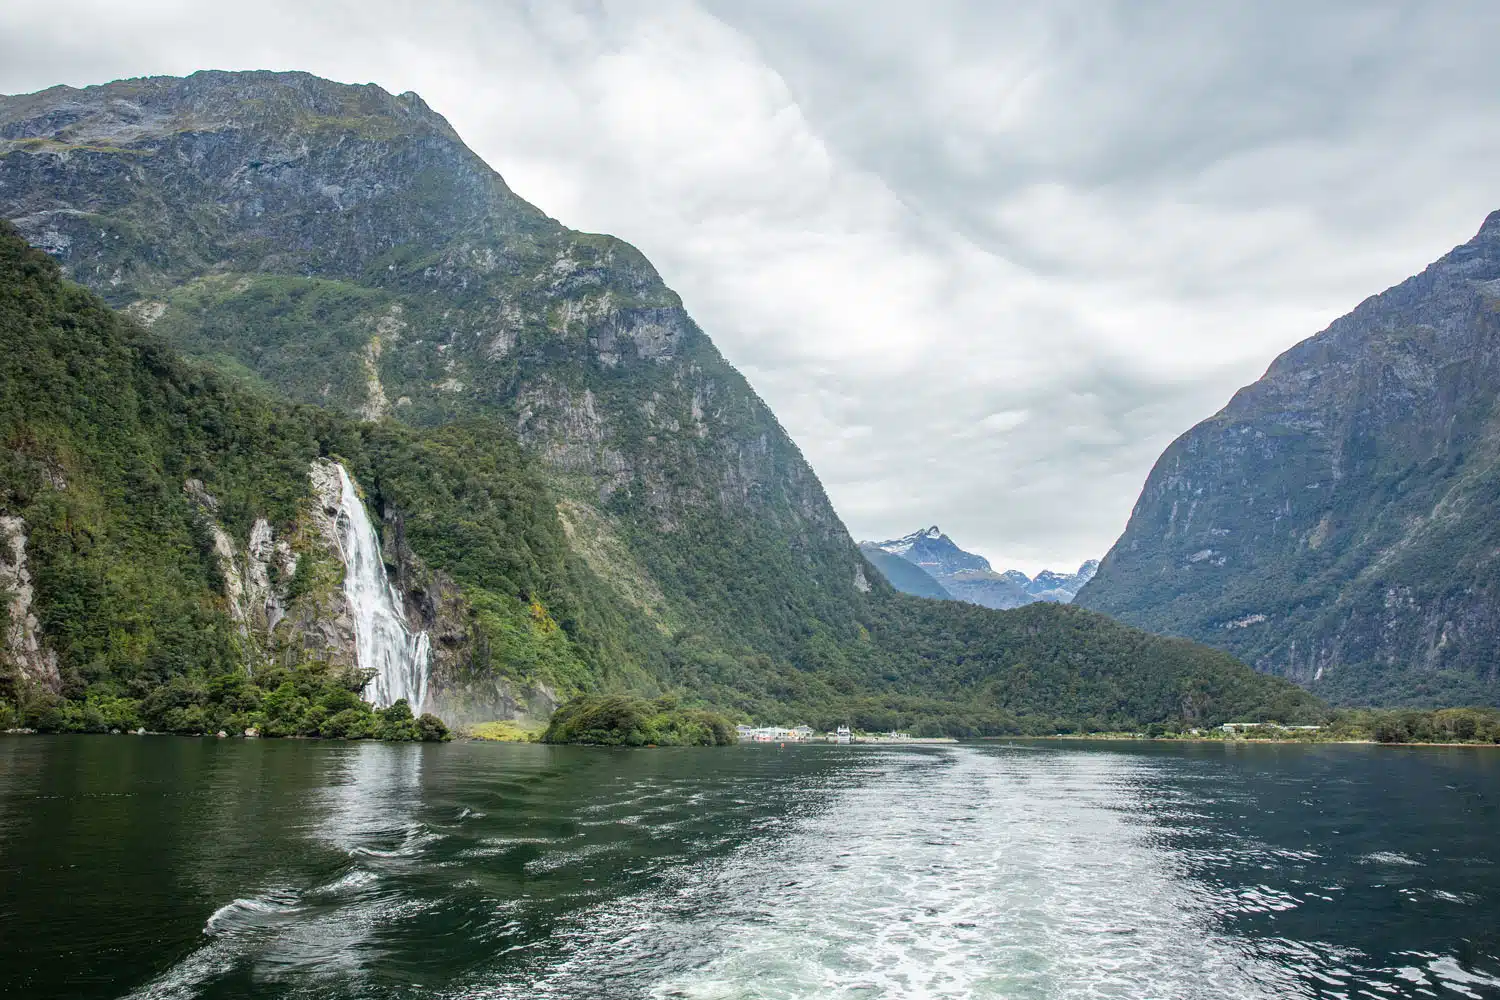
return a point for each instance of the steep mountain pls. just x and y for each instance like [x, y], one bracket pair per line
[1338, 522]
[342, 246]
[968, 577]
[935, 552]
[572, 489]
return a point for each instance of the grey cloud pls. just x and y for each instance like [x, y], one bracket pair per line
[901, 220]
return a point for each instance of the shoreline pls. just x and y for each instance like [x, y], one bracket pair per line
[471, 737]
[1131, 738]
[258, 737]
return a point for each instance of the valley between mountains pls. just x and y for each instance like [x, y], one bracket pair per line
[240, 311]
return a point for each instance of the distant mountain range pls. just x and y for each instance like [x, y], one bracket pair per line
[945, 571]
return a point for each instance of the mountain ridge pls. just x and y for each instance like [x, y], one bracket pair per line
[966, 576]
[435, 292]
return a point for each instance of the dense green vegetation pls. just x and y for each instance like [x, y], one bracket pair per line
[620, 720]
[947, 668]
[309, 699]
[100, 426]
[1447, 725]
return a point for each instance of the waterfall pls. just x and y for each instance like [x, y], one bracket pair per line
[383, 643]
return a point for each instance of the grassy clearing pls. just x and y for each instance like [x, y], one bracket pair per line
[509, 731]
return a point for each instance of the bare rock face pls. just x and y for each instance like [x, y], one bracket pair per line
[257, 579]
[1336, 523]
[21, 644]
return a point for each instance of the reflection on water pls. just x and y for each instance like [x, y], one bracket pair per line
[179, 868]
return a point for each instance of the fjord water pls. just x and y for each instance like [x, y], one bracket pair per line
[171, 867]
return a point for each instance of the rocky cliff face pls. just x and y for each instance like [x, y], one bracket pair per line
[23, 658]
[1336, 523]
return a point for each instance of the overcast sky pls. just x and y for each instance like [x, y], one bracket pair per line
[984, 260]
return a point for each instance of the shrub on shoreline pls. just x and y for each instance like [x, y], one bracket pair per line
[622, 720]
[310, 700]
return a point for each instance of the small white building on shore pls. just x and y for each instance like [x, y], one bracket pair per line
[773, 734]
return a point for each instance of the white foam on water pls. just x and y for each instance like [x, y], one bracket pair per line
[961, 873]
[1389, 858]
[962, 876]
[1447, 972]
[252, 912]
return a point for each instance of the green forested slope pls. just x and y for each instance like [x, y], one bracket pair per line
[100, 428]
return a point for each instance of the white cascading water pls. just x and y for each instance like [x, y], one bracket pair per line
[383, 643]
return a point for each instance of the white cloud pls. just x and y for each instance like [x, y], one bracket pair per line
[1005, 420]
[983, 260]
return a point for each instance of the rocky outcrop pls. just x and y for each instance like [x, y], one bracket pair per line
[321, 624]
[1336, 522]
[256, 604]
[278, 620]
[432, 603]
[21, 643]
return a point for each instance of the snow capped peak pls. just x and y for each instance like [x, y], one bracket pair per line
[901, 546]
[969, 577]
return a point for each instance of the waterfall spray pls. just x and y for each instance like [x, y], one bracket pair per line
[383, 642]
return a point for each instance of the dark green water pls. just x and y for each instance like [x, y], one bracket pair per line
[167, 867]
